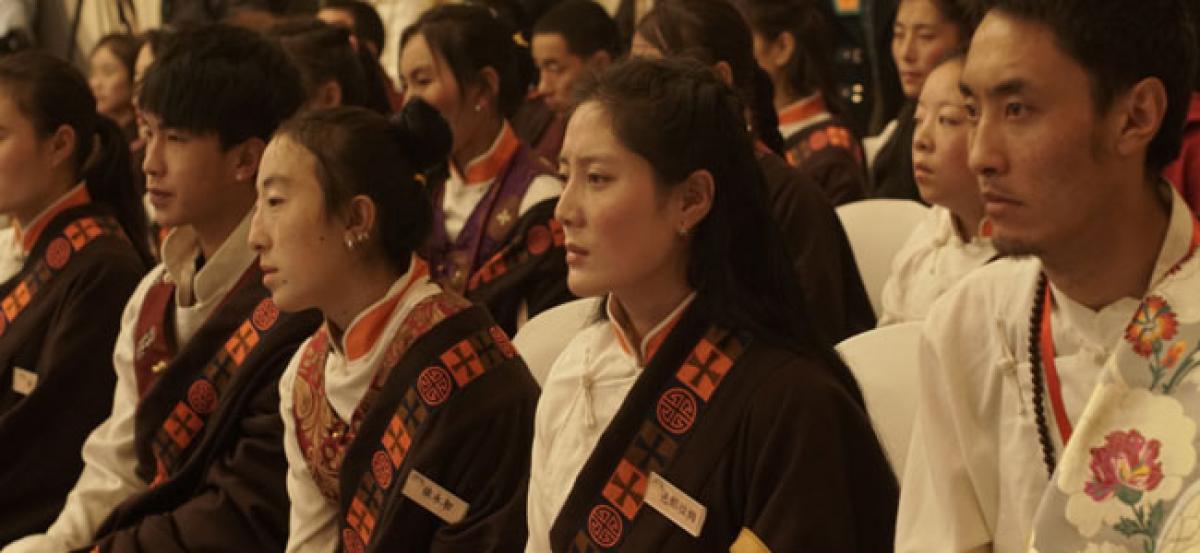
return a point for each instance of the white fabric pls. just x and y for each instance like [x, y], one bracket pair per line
[884, 362]
[543, 338]
[12, 255]
[877, 229]
[975, 474]
[585, 388]
[872, 144]
[934, 259]
[313, 521]
[108, 476]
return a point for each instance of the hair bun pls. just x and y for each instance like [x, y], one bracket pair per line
[423, 134]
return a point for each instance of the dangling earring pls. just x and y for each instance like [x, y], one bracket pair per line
[350, 243]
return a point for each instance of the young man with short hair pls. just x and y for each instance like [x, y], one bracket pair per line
[1049, 421]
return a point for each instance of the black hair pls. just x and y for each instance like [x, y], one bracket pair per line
[53, 93]
[157, 39]
[810, 68]
[1120, 43]
[368, 27]
[681, 118]
[224, 80]
[323, 53]
[469, 38]
[361, 152]
[124, 47]
[585, 27]
[964, 14]
[713, 31]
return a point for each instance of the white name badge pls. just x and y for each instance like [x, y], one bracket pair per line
[434, 498]
[673, 503]
[24, 381]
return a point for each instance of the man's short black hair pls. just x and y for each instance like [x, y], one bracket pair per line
[368, 26]
[224, 80]
[1119, 43]
[585, 26]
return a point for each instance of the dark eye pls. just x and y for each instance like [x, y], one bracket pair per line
[972, 112]
[1015, 109]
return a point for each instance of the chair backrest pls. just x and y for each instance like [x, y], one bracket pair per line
[545, 336]
[884, 361]
[877, 229]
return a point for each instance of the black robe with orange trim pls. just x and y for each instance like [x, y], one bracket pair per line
[829, 153]
[768, 441]
[457, 408]
[836, 299]
[68, 300]
[216, 486]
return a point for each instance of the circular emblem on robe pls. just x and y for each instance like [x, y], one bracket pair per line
[351, 543]
[434, 385]
[818, 141]
[202, 397]
[676, 410]
[538, 239]
[605, 526]
[265, 315]
[58, 253]
[381, 467]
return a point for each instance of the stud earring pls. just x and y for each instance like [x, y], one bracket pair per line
[478, 108]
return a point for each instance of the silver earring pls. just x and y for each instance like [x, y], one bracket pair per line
[478, 108]
[350, 244]
[683, 232]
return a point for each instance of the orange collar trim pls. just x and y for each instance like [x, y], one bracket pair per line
[365, 330]
[75, 197]
[487, 167]
[654, 339]
[802, 110]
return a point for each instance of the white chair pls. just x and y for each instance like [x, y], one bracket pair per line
[877, 229]
[545, 336]
[884, 361]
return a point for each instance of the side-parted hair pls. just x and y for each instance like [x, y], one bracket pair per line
[469, 38]
[323, 53]
[124, 47]
[1119, 43]
[680, 117]
[53, 93]
[360, 152]
[368, 26]
[810, 68]
[585, 27]
[713, 31]
[224, 80]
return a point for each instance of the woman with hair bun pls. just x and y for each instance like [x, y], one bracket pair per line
[408, 416]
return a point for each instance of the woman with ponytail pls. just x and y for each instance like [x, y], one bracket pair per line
[408, 416]
[69, 265]
[714, 32]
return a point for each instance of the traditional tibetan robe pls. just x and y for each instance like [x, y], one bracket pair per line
[540, 127]
[412, 431]
[978, 464]
[892, 169]
[495, 239]
[191, 457]
[823, 147]
[934, 259]
[700, 438]
[61, 307]
[813, 235]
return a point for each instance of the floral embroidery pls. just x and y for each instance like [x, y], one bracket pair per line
[1154, 322]
[1127, 467]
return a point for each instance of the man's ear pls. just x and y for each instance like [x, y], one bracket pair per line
[1141, 116]
[62, 145]
[247, 156]
[327, 95]
[599, 61]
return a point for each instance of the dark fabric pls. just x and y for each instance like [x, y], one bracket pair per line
[836, 299]
[541, 128]
[778, 447]
[227, 491]
[892, 173]
[65, 335]
[471, 438]
[830, 153]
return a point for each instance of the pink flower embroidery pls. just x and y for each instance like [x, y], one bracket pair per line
[1126, 466]
[1153, 323]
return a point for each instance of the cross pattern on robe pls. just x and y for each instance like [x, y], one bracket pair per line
[626, 489]
[704, 369]
[652, 449]
[463, 362]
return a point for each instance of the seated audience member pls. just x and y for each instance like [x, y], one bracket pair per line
[954, 239]
[792, 43]
[342, 240]
[191, 457]
[111, 77]
[714, 32]
[368, 33]
[494, 237]
[1058, 408]
[693, 412]
[67, 266]
[333, 72]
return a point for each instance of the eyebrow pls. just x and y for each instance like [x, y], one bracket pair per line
[275, 180]
[1004, 88]
[583, 160]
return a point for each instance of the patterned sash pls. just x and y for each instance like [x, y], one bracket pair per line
[442, 381]
[1128, 479]
[323, 436]
[186, 421]
[73, 239]
[539, 239]
[682, 400]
